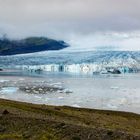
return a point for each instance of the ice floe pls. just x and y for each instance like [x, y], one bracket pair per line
[60, 97]
[1, 81]
[67, 91]
[9, 90]
[75, 105]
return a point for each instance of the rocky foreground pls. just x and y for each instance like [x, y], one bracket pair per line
[41, 122]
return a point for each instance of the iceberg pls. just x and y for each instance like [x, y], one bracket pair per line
[80, 68]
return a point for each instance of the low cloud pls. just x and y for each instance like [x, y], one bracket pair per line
[94, 23]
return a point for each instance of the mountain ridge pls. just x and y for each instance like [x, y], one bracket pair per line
[29, 45]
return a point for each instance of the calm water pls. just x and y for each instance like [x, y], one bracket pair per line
[113, 92]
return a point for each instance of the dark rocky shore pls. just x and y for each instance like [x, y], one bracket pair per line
[41, 122]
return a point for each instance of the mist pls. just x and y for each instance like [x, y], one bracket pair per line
[85, 25]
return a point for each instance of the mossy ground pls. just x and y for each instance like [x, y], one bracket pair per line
[42, 122]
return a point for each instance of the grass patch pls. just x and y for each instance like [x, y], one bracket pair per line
[29, 121]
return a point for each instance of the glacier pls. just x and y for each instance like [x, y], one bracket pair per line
[75, 62]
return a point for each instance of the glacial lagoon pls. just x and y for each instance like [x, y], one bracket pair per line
[103, 91]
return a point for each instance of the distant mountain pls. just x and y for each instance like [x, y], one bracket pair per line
[29, 45]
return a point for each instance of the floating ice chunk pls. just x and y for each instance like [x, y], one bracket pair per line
[60, 97]
[67, 91]
[113, 87]
[57, 86]
[28, 91]
[46, 99]
[37, 97]
[60, 91]
[75, 105]
[40, 89]
[21, 79]
[1, 81]
[58, 83]
[122, 101]
[110, 105]
[26, 87]
[35, 91]
[9, 90]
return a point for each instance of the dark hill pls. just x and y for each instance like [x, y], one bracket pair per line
[29, 45]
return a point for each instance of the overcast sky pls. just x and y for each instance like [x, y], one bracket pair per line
[93, 23]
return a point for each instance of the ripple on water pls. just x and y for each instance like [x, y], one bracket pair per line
[116, 103]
